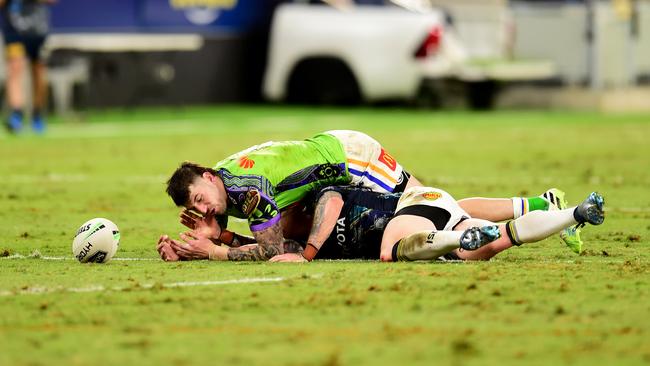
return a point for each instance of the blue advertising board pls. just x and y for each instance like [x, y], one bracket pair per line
[195, 16]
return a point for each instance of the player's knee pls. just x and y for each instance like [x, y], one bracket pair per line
[386, 253]
[386, 256]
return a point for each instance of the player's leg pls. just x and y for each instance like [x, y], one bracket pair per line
[501, 209]
[402, 227]
[539, 225]
[16, 64]
[571, 235]
[422, 227]
[487, 250]
[411, 238]
[39, 82]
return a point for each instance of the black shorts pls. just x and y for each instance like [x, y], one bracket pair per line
[31, 44]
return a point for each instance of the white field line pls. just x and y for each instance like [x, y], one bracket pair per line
[99, 288]
[49, 258]
[37, 255]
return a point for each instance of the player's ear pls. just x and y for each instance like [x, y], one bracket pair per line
[209, 176]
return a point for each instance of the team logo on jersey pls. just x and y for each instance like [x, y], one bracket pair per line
[328, 171]
[251, 201]
[245, 162]
[387, 159]
[431, 196]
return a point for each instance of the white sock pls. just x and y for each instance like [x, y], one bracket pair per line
[537, 225]
[519, 207]
[426, 245]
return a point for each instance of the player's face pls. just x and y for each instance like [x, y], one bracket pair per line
[204, 196]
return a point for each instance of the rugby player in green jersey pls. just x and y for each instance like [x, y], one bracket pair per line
[261, 183]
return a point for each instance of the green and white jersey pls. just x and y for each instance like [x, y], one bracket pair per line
[264, 179]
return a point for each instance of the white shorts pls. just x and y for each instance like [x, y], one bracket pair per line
[433, 204]
[368, 163]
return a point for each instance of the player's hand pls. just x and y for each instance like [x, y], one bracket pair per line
[196, 247]
[202, 226]
[165, 250]
[288, 257]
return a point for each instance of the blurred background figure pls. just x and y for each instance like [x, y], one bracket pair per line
[25, 24]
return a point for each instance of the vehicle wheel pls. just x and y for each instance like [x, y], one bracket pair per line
[323, 81]
[481, 95]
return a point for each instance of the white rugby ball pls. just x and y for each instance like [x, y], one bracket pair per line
[96, 241]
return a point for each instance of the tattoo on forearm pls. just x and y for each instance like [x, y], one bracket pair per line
[239, 240]
[260, 253]
[270, 243]
[319, 229]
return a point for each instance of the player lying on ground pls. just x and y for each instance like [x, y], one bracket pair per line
[262, 182]
[349, 223]
[412, 234]
[428, 223]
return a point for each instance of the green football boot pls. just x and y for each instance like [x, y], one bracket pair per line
[571, 235]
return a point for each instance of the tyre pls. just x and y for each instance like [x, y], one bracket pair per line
[323, 81]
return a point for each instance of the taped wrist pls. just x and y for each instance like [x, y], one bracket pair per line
[212, 254]
[310, 252]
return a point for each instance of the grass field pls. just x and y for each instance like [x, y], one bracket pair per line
[538, 304]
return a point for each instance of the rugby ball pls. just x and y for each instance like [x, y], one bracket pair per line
[96, 241]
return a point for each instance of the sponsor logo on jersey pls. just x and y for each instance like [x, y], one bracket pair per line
[340, 231]
[245, 162]
[251, 201]
[431, 196]
[388, 160]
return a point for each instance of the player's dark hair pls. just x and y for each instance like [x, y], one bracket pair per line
[178, 186]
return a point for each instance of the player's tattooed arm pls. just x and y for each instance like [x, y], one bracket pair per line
[327, 211]
[270, 243]
[240, 240]
[290, 246]
[234, 240]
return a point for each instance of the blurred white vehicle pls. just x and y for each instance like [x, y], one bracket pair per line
[323, 54]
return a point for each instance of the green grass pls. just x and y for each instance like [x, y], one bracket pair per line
[537, 304]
